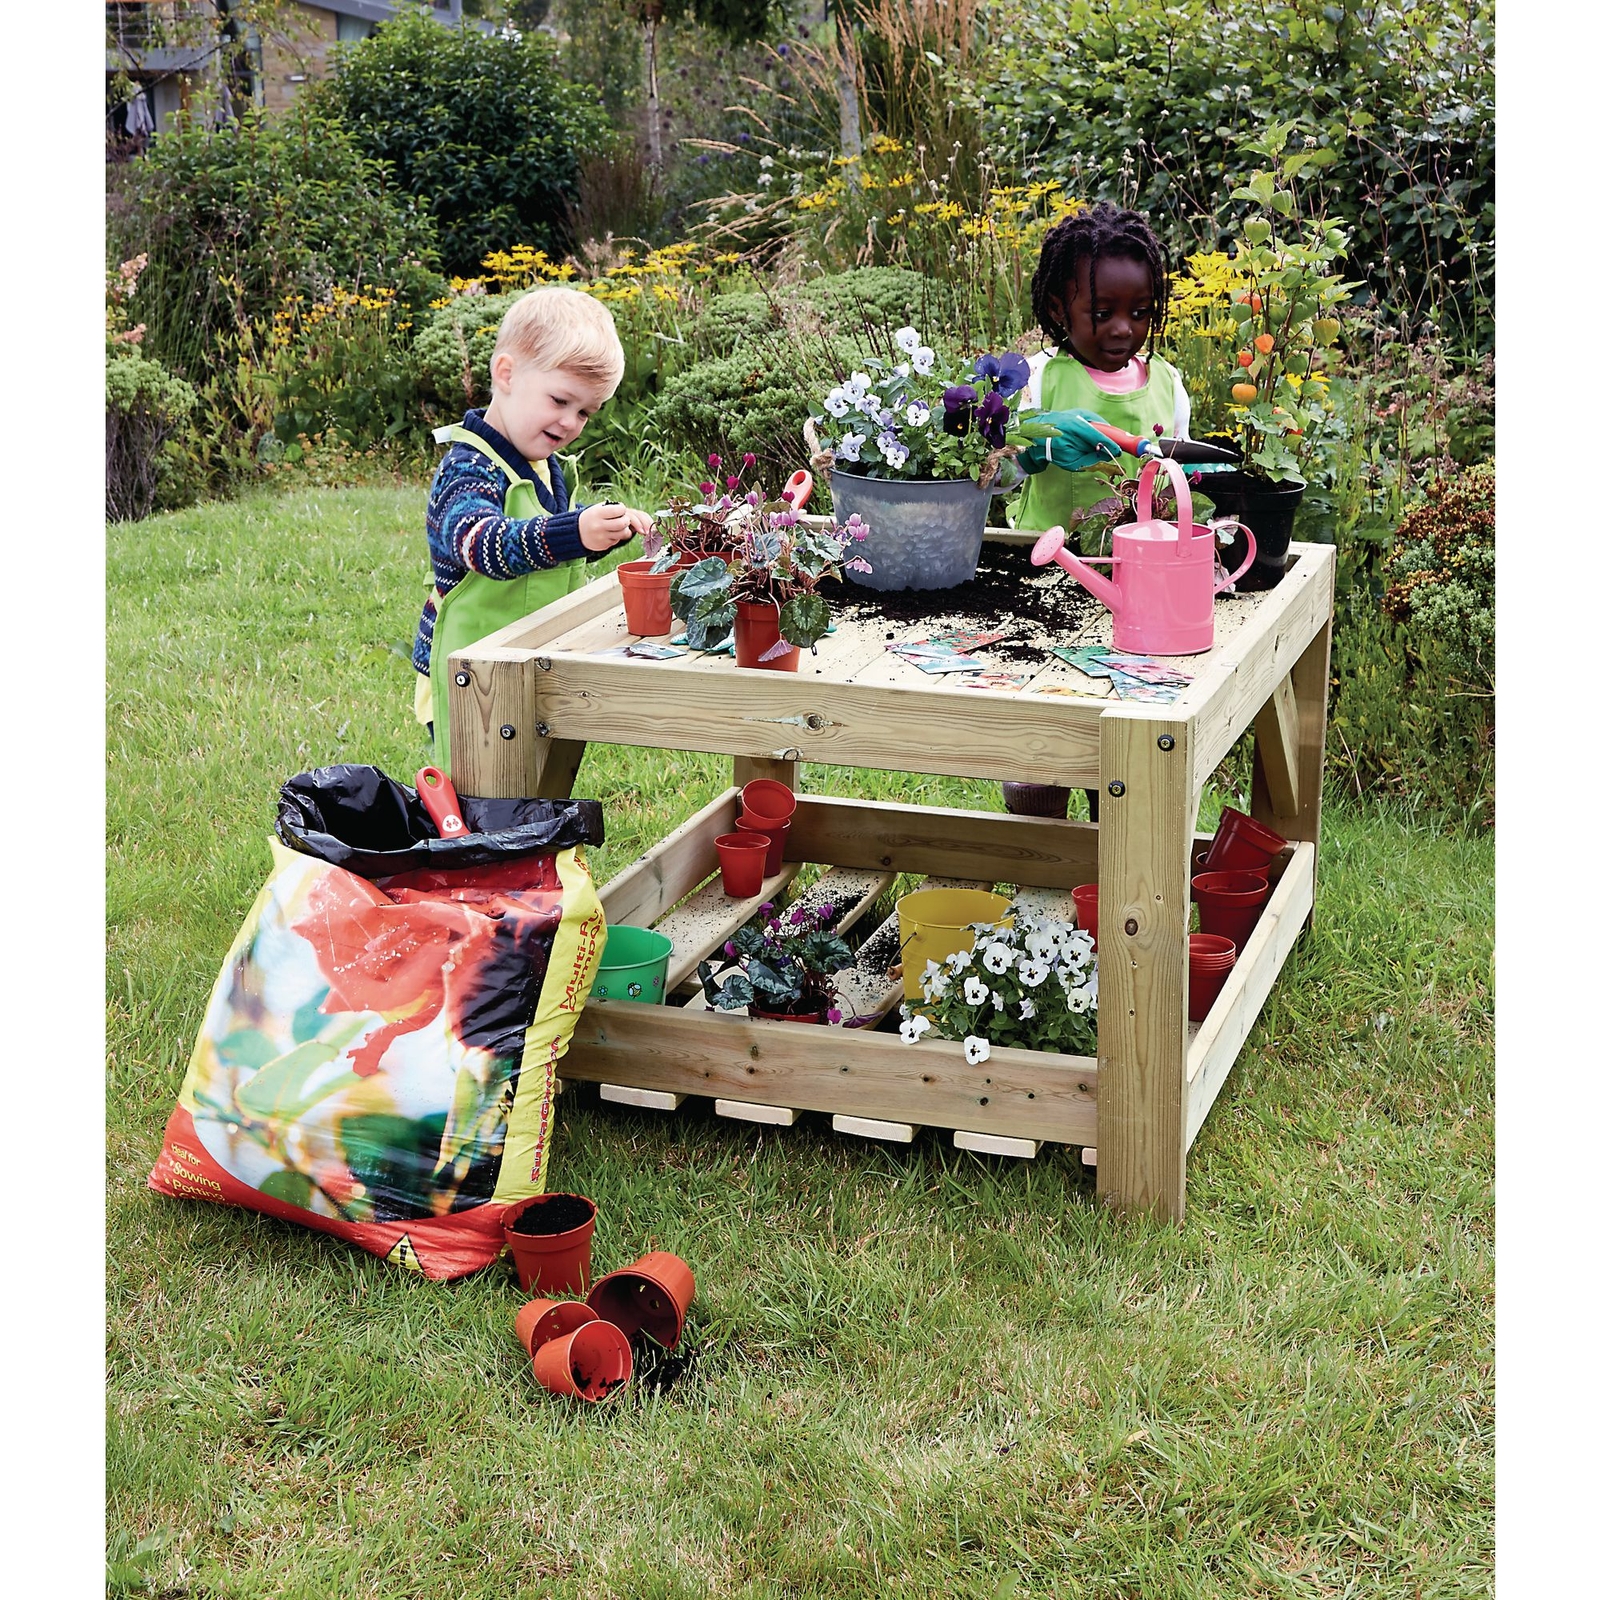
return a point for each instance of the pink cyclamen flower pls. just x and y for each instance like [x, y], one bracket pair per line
[788, 494]
[733, 482]
[749, 459]
[713, 462]
[708, 487]
[835, 1015]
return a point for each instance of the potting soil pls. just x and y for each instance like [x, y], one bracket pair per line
[561, 1213]
[656, 1367]
[378, 1056]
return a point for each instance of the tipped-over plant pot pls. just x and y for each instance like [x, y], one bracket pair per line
[766, 797]
[755, 632]
[591, 1362]
[549, 1236]
[653, 1294]
[743, 857]
[1241, 844]
[645, 598]
[540, 1321]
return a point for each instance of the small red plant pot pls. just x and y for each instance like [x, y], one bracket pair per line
[653, 1294]
[777, 832]
[1211, 958]
[646, 600]
[1241, 844]
[1231, 903]
[591, 1362]
[549, 1238]
[540, 1321]
[755, 631]
[1086, 902]
[790, 1016]
[744, 863]
[766, 797]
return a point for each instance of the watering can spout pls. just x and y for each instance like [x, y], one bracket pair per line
[1052, 546]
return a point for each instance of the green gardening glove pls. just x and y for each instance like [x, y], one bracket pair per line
[1065, 439]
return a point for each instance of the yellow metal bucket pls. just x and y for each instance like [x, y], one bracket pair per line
[934, 925]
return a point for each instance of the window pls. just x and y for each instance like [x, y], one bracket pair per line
[352, 29]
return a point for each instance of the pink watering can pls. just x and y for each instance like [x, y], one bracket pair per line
[1163, 580]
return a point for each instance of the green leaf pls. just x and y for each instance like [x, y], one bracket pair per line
[804, 619]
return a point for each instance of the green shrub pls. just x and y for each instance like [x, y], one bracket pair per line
[730, 319]
[886, 296]
[450, 356]
[481, 128]
[238, 219]
[150, 465]
[1142, 101]
[745, 401]
[1441, 574]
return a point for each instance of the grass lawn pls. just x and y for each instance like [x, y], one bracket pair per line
[924, 1372]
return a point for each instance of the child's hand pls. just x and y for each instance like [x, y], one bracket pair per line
[640, 522]
[600, 527]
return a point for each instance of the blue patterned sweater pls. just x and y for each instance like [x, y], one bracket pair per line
[468, 530]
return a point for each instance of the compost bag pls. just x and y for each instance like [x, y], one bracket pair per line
[378, 1058]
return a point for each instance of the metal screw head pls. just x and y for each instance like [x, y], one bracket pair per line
[1166, 741]
[1116, 788]
[542, 663]
[542, 729]
[507, 731]
[463, 679]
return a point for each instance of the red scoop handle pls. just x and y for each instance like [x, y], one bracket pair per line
[438, 795]
[799, 485]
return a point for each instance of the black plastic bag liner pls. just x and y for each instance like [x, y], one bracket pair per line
[362, 820]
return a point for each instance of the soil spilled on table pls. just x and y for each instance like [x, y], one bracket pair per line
[1040, 607]
[559, 1214]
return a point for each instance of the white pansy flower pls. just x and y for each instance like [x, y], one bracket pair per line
[1041, 945]
[1026, 1009]
[1077, 1000]
[960, 961]
[936, 987]
[908, 339]
[913, 1029]
[849, 447]
[766, 161]
[896, 454]
[975, 1049]
[975, 990]
[1034, 972]
[836, 404]
[857, 385]
[922, 359]
[872, 405]
[999, 1000]
[998, 958]
[929, 972]
[903, 370]
[917, 414]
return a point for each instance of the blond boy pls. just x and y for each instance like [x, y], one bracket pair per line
[502, 536]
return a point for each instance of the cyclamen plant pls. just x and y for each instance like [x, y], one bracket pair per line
[1035, 985]
[694, 529]
[784, 964]
[925, 416]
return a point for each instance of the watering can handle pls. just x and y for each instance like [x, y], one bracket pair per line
[1234, 577]
[1180, 487]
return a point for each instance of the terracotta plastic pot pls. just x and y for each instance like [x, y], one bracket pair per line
[755, 631]
[1211, 957]
[653, 1294]
[540, 1321]
[768, 798]
[591, 1362]
[744, 863]
[777, 832]
[645, 598]
[1231, 903]
[790, 1016]
[1035, 799]
[1241, 844]
[1086, 901]
[557, 1263]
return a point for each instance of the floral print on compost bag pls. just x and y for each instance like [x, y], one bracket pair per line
[360, 1056]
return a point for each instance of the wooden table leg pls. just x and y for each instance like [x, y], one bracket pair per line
[1146, 785]
[496, 748]
[746, 769]
[1291, 747]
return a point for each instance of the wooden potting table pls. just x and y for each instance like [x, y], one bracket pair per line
[524, 702]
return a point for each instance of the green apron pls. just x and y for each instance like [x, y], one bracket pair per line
[479, 606]
[1050, 497]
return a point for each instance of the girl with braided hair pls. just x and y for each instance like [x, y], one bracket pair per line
[1100, 297]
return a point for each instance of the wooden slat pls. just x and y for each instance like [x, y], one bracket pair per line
[1143, 940]
[753, 1111]
[873, 1128]
[708, 919]
[799, 718]
[1278, 748]
[997, 1144]
[661, 877]
[1041, 851]
[1050, 904]
[1217, 1043]
[650, 1099]
[1024, 1093]
[1242, 672]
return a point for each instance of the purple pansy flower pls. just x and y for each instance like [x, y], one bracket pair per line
[1008, 373]
[959, 399]
[992, 416]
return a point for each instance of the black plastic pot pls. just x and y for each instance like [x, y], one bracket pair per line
[1267, 509]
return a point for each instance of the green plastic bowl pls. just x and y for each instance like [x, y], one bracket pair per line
[633, 966]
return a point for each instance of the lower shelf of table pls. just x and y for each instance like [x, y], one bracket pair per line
[855, 1073]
